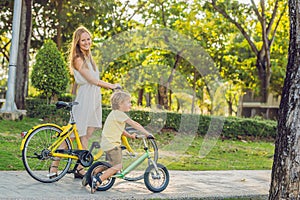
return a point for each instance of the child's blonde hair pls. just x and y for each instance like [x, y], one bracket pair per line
[117, 98]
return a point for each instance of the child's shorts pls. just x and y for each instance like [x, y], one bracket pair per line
[114, 156]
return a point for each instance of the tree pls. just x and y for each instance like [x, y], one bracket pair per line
[50, 74]
[165, 14]
[286, 165]
[269, 22]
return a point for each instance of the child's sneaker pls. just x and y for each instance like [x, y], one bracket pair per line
[96, 181]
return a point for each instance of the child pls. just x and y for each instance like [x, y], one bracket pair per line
[113, 129]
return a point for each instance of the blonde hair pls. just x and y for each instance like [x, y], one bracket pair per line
[75, 50]
[117, 98]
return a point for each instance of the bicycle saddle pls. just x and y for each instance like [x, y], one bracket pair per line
[62, 104]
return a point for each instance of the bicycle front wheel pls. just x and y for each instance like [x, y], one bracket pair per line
[156, 179]
[138, 147]
[37, 158]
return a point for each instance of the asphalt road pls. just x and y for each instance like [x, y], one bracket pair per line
[183, 185]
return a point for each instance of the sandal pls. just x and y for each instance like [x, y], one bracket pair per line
[52, 174]
[77, 173]
[95, 179]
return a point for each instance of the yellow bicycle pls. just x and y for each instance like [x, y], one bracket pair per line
[41, 145]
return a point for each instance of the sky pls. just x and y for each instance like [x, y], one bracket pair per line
[248, 1]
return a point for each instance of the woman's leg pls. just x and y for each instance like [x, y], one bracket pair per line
[85, 141]
[54, 165]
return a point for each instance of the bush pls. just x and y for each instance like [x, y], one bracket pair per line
[38, 108]
[49, 74]
[231, 127]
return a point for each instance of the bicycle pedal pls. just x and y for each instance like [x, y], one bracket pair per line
[96, 145]
[123, 147]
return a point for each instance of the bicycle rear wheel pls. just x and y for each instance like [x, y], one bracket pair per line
[138, 147]
[37, 158]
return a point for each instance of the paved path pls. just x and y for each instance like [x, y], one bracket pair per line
[183, 185]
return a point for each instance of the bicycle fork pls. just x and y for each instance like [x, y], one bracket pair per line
[157, 175]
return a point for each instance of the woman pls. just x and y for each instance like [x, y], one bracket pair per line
[88, 114]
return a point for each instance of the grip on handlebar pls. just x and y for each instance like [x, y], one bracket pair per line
[143, 136]
[150, 137]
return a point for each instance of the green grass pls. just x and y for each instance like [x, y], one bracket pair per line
[185, 153]
[177, 151]
[10, 140]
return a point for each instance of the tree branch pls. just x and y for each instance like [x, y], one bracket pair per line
[4, 52]
[242, 30]
[136, 11]
[259, 17]
[264, 55]
[163, 14]
[277, 24]
[273, 17]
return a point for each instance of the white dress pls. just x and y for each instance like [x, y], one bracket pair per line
[88, 113]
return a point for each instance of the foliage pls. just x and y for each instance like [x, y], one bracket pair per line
[265, 18]
[50, 74]
[143, 67]
[38, 108]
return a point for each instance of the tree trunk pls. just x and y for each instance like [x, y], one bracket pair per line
[230, 108]
[58, 28]
[23, 55]
[162, 97]
[264, 73]
[148, 99]
[164, 88]
[286, 166]
[194, 92]
[140, 97]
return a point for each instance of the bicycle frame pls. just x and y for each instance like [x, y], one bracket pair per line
[66, 132]
[136, 163]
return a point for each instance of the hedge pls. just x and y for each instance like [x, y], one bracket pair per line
[229, 127]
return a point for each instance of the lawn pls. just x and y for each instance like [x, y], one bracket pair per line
[177, 151]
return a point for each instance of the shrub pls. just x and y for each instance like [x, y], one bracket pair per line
[231, 127]
[38, 108]
[49, 74]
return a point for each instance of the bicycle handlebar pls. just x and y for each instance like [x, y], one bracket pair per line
[130, 129]
[144, 136]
